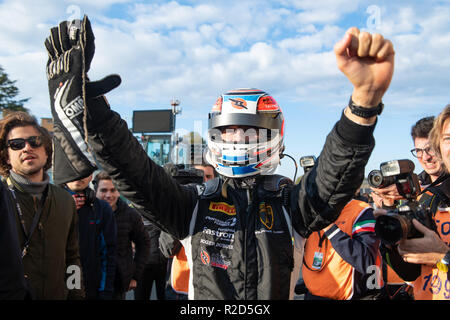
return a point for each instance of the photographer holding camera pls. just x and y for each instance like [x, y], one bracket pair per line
[423, 254]
[387, 198]
[433, 250]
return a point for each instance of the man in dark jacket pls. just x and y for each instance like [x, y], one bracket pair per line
[12, 282]
[130, 229]
[155, 269]
[45, 216]
[237, 230]
[98, 231]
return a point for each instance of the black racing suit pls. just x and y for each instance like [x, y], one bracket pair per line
[239, 246]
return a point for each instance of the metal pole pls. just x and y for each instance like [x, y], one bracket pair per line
[175, 110]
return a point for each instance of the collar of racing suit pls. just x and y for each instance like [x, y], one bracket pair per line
[238, 183]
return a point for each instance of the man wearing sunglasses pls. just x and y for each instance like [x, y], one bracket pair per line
[45, 214]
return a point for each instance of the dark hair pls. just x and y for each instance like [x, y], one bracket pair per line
[206, 164]
[422, 128]
[102, 175]
[21, 119]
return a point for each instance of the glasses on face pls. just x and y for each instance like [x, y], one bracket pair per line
[19, 143]
[418, 152]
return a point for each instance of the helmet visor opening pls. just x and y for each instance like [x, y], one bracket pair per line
[242, 135]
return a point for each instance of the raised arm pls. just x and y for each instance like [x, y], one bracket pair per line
[368, 63]
[79, 109]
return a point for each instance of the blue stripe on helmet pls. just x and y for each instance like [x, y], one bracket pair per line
[241, 170]
[234, 158]
[244, 170]
[248, 98]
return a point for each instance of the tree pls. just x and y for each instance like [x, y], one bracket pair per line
[8, 92]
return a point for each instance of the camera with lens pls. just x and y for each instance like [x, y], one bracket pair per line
[184, 175]
[397, 224]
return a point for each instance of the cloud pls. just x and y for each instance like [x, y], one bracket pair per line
[321, 12]
[196, 50]
[421, 38]
[313, 40]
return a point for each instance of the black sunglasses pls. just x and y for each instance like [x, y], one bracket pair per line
[19, 143]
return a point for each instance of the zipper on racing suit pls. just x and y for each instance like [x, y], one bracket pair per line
[246, 219]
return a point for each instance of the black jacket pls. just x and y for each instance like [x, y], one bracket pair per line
[53, 247]
[155, 257]
[130, 228]
[238, 247]
[12, 281]
[97, 237]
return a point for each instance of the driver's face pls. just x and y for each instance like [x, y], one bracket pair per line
[240, 134]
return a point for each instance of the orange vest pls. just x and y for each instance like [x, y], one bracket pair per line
[334, 279]
[392, 277]
[433, 284]
[180, 272]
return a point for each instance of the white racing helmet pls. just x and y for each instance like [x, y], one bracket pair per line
[261, 119]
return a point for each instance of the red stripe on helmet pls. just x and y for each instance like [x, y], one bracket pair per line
[267, 103]
[217, 107]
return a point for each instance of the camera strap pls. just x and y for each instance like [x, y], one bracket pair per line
[438, 195]
[440, 179]
[434, 188]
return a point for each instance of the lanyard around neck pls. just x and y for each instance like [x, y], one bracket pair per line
[36, 216]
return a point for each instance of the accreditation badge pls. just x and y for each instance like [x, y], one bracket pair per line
[318, 260]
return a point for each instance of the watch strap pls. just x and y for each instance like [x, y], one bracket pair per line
[365, 112]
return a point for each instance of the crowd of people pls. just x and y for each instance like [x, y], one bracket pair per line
[245, 233]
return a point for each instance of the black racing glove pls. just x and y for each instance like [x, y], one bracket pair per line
[71, 48]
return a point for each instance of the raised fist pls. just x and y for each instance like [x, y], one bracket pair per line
[367, 60]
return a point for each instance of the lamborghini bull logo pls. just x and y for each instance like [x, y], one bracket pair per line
[266, 215]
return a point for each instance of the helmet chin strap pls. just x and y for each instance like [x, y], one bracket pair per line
[246, 182]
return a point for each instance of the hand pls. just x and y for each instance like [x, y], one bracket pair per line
[379, 212]
[427, 250]
[386, 196]
[70, 48]
[132, 285]
[377, 200]
[367, 60]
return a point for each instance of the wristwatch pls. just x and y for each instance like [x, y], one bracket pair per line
[443, 264]
[365, 112]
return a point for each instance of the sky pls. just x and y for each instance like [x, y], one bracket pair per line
[194, 51]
